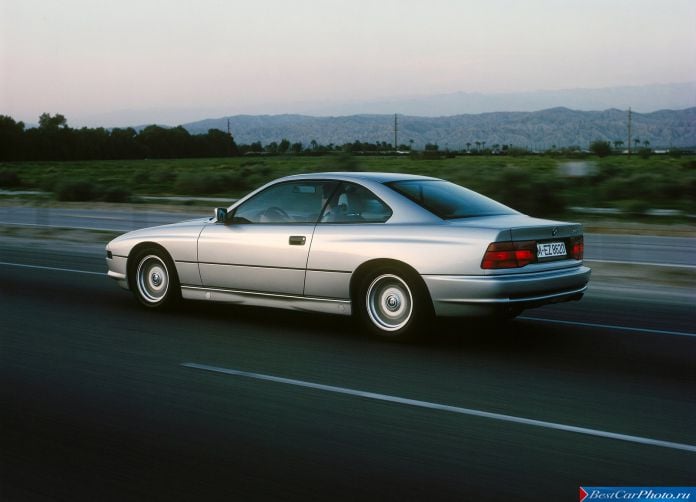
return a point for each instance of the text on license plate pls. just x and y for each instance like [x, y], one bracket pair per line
[549, 249]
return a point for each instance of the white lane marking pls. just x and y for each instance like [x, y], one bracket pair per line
[444, 407]
[41, 267]
[642, 263]
[607, 326]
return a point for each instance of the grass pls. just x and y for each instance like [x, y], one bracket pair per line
[540, 185]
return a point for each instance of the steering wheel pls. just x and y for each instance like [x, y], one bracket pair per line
[274, 214]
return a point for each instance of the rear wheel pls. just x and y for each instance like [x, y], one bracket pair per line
[153, 279]
[393, 304]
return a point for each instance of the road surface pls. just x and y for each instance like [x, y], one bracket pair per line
[101, 399]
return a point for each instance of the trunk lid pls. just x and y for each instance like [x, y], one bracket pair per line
[520, 227]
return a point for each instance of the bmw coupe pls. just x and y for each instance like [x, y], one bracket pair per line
[393, 250]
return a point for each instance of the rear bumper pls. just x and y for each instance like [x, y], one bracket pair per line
[461, 295]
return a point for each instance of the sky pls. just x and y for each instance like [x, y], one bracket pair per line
[180, 60]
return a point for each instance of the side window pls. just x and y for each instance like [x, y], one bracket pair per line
[291, 202]
[352, 203]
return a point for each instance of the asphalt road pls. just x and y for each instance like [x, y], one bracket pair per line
[96, 403]
[622, 248]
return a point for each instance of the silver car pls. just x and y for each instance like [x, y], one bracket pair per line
[393, 250]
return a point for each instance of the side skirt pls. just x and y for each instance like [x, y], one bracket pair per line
[290, 302]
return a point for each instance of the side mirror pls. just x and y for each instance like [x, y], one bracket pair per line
[220, 214]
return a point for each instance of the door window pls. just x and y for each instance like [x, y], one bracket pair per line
[352, 203]
[290, 202]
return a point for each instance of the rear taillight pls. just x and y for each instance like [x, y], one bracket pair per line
[509, 254]
[577, 247]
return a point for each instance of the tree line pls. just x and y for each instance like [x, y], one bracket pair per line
[53, 139]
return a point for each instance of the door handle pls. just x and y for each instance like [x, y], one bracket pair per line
[297, 240]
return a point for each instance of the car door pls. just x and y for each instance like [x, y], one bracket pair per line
[264, 244]
[350, 232]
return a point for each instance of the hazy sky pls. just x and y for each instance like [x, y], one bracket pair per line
[181, 58]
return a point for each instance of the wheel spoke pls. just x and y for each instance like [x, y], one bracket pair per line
[152, 278]
[389, 302]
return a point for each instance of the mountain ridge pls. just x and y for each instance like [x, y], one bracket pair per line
[559, 126]
[645, 98]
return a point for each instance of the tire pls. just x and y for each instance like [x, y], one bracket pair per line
[153, 280]
[393, 304]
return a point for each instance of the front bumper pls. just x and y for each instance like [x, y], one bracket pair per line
[483, 295]
[117, 266]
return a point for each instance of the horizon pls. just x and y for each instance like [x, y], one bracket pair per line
[203, 118]
[141, 125]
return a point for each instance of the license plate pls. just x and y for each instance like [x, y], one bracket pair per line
[551, 249]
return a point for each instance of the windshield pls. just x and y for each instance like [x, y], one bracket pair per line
[447, 200]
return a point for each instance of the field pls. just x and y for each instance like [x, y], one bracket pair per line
[539, 185]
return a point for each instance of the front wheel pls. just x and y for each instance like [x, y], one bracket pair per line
[393, 305]
[154, 281]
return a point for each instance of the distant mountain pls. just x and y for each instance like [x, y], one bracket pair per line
[536, 130]
[644, 98]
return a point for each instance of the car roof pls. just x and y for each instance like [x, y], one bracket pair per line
[359, 176]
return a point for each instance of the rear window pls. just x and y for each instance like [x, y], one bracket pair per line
[447, 200]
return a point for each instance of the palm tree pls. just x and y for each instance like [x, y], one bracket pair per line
[468, 146]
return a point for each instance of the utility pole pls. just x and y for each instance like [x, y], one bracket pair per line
[230, 139]
[629, 132]
[396, 128]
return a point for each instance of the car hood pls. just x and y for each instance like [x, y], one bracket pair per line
[196, 223]
[182, 231]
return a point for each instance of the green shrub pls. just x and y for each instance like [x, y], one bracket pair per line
[342, 161]
[633, 206]
[163, 175]
[76, 191]
[116, 194]
[600, 148]
[9, 179]
[537, 193]
[141, 177]
[49, 182]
